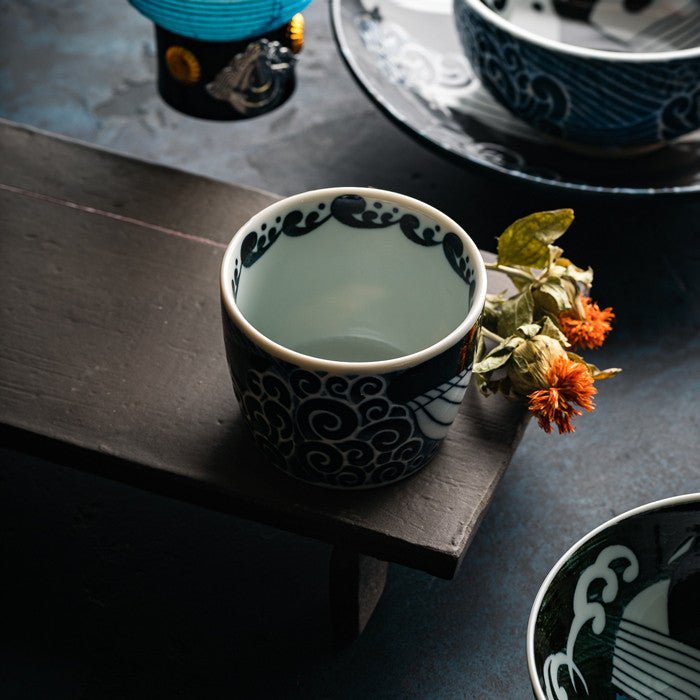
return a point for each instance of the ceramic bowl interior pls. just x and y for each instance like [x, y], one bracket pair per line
[618, 617]
[636, 26]
[354, 275]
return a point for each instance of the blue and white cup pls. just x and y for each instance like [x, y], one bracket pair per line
[350, 321]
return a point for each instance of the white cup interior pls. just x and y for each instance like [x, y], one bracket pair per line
[351, 293]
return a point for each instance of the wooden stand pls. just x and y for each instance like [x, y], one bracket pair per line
[356, 583]
[112, 360]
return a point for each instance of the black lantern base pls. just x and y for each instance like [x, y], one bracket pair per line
[227, 80]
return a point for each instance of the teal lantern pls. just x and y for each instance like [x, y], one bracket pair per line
[225, 59]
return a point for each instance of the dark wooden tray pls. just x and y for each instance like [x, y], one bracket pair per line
[112, 359]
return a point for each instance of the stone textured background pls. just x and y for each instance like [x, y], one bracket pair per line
[109, 592]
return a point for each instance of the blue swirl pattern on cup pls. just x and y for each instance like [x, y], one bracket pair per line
[354, 430]
[346, 431]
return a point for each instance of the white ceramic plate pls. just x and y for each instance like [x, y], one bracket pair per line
[405, 54]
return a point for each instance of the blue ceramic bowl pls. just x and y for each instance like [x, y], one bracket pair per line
[350, 318]
[602, 76]
[618, 617]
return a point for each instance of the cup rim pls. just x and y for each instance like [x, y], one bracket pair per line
[346, 367]
[572, 49]
[534, 611]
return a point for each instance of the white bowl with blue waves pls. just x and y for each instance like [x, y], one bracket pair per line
[608, 77]
[618, 617]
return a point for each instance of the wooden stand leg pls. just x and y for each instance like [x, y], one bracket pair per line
[356, 584]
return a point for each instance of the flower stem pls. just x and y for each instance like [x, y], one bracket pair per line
[491, 335]
[511, 271]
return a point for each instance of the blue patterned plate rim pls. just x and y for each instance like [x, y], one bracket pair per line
[343, 367]
[464, 124]
[619, 56]
[689, 498]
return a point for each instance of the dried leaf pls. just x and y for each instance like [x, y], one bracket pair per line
[489, 318]
[496, 299]
[553, 295]
[603, 373]
[529, 330]
[515, 312]
[499, 356]
[595, 373]
[555, 252]
[481, 384]
[505, 387]
[493, 361]
[575, 273]
[551, 329]
[526, 242]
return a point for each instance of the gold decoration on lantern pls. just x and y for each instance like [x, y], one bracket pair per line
[295, 32]
[183, 65]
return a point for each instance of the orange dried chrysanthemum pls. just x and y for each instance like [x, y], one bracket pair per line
[586, 325]
[570, 383]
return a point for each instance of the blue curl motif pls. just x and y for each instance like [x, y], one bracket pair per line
[356, 212]
[538, 98]
[680, 114]
[339, 441]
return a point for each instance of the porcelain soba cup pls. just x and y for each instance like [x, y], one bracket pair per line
[350, 322]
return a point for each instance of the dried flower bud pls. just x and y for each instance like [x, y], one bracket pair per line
[530, 363]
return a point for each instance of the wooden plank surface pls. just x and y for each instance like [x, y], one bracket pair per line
[112, 359]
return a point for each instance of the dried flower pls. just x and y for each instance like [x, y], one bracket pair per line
[532, 329]
[585, 325]
[531, 361]
[569, 384]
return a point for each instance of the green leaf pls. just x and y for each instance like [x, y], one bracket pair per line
[526, 242]
[515, 312]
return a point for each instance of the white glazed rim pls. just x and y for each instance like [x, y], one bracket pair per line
[532, 621]
[613, 56]
[335, 366]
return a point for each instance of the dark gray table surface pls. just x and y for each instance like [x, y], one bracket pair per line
[87, 72]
